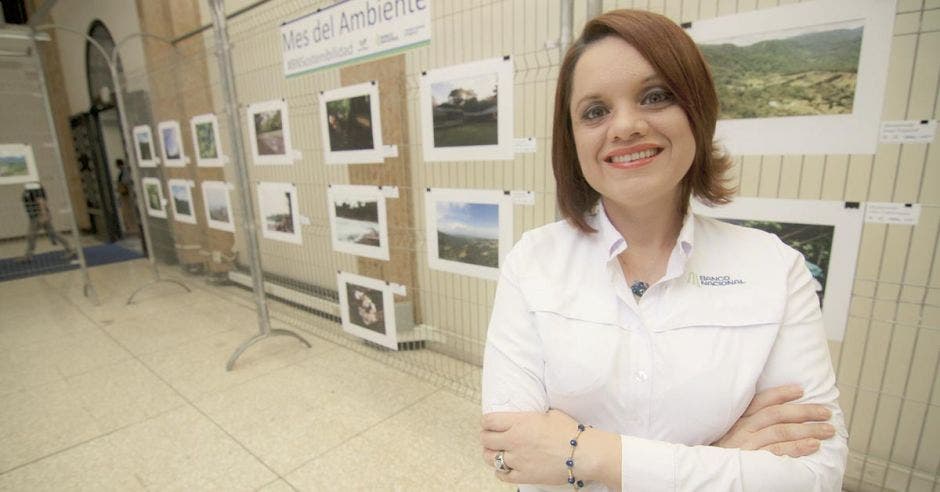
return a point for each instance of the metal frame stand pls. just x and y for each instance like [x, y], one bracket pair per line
[227, 76]
[111, 58]
[87, 288]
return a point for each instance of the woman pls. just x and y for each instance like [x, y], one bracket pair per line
[653, 327]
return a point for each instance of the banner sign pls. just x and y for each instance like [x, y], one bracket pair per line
[353, 30]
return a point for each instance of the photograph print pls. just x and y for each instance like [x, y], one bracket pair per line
[181, 196]
[205, 130]
[468, 231]
[143, 146]
[467, 111]
[172, 144]
[17, 164]
[804, 78]
[215, 197]
[358, 220]
[367, 309]
[153, 192]
[278, 208]
[826, 233]
[269, 133]
[351, 126]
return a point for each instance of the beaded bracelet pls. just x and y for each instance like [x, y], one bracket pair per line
[575, 483]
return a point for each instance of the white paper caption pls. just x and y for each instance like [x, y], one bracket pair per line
[522, 197]
[304, 220]
[397, 289]
[389, 191]
[892, 213]
[389, 151]
[31, 186]
[915, 131]
[524, 145]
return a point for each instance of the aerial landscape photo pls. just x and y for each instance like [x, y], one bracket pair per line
[795, 72]
[468, 233]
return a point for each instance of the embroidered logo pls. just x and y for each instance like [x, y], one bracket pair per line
[713, 280]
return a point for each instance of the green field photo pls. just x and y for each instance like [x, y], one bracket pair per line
[13, 165]
[466, 111]
[205, 139]
[796, 72]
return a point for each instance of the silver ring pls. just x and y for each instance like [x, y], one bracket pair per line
[500, 463]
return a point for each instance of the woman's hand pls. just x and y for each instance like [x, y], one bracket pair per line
[537, 445]
[773, 424]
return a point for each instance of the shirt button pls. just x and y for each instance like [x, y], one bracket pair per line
[640, 376]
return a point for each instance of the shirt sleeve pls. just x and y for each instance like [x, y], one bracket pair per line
[513, 366]
[800, 355]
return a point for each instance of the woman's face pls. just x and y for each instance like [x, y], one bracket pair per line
[633, 139]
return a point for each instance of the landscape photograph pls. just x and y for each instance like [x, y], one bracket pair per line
[814, 241]
[366, 307]
[205, 141]
[357, 221]
[217, 203]
[350, 124]
[804, 71]
[465, 111]
[269, 132]
[181, 199]
[171, 142]
[143, 145]
[468, 233]
[13, 166]
[276, 209]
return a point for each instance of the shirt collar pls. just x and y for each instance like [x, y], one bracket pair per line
[613, 242]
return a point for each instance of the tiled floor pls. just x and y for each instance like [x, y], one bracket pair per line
[116, 397]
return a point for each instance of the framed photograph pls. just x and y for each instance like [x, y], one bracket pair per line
[467, 111]
[143, 147]
[280, 217]
[468, 231]
[269, 133]
[218, 205]
[181, 196]
[205, 128]
[827, 233]
[351, 125]
[367, 307]
[804, 78]
[17, 164]
[153, 192]
[358, 220]
[172, 144]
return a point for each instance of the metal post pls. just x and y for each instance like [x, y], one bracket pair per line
[111, 59]
[227, 79]
[87, 288]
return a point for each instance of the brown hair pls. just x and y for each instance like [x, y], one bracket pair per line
[679, 62]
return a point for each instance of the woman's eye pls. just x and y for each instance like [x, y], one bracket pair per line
[594, 112]
[657, 96]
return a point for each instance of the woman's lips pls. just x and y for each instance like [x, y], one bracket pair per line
[633, 157]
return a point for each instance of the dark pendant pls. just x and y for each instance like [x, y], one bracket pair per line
[639, 288]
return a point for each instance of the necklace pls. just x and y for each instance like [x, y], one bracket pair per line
[638, 287]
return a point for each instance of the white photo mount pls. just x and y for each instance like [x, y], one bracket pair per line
[171, 144]
[17, 164]
[153, 196]
[469, 232]
[218, 205]
[207, 143]
[464, 130]
[279, 212]
[270, 146]
[846, 218]
[359, 220]
[344, 142]
[181, 198]
[144, 147]
[367, 308]
[854, 133]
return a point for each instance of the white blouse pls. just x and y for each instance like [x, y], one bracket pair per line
[735, 313]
